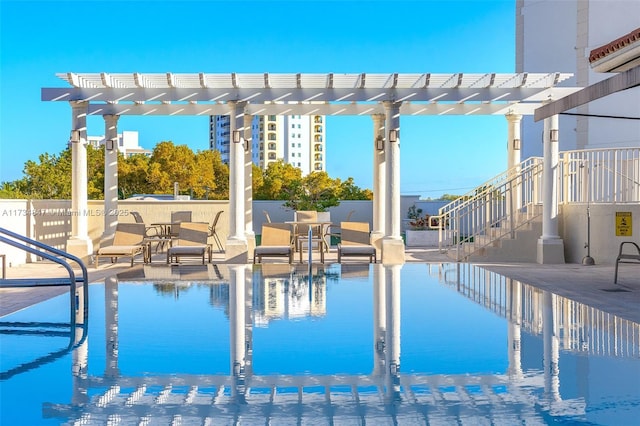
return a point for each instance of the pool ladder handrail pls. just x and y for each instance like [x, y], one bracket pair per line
[62, 258]
[50, 253]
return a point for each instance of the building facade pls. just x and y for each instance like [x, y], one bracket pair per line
[127, 143]
[559, 36]
[298, 140]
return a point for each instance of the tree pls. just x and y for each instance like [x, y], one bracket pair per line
[316, 191]
[277, 181]
[350, 191]
[132, 175]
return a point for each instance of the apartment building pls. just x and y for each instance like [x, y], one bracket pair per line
[299, 140]
[559, 36]
[127, 143]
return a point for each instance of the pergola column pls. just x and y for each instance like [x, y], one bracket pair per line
[236, 247]
[392, 244]
[513, 162]
[550, 245]
[79, 243]
[379, 181]
[110, 176]
[248, 185]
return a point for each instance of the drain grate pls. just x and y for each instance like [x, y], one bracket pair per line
[615, 290]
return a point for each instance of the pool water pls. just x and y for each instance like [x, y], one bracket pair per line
[334, 344]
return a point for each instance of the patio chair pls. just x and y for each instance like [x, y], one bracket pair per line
[354, 241]
[128, 241]
[301, 236]
[213, 233]
[192, 242]
[176, 218]
[334, 231]
[626, 257]
[276, 242]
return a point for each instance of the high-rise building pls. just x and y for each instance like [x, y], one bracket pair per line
[299, 140]
[558, 36]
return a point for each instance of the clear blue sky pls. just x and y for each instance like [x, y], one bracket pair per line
[438, 154]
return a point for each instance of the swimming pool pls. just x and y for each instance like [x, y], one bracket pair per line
[335, 344]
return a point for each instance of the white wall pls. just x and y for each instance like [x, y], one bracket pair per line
[558, 37]
[604, 242]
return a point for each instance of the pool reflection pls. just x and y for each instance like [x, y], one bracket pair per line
[259, 295]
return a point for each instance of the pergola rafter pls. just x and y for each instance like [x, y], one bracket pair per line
[326, 94]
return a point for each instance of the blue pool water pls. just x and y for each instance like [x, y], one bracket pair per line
[350, 344]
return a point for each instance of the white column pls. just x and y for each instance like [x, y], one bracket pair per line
[513, 140]
[248, 185]
[550, 245]
[514, 197]
[110, 176]
[236, 247]
[79, 243]
[392, 244]
[379, 181]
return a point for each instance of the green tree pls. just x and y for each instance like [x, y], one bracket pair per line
[49, 178]
[316, 191]
[350, 191]
[277, 181]
[132, 175]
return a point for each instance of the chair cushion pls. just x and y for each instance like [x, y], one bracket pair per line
[120, 250]
[354, 250]
[187, 250]
[272, 250]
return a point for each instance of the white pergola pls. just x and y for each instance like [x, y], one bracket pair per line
[384, 97]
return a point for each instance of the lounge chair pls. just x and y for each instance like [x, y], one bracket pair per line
[276, 241]
[128, 241]
[626, 257]
[192, 242]
[354, 241]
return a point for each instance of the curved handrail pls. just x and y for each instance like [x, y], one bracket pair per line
[51, 257]
[51, 253]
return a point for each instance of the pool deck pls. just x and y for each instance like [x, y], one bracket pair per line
[590, 285]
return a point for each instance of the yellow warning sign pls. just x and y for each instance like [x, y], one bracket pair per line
[624, 226]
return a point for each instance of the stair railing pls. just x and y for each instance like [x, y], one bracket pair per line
[512, 199]
[494, 210]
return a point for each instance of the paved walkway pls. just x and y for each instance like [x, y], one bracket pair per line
[590, 285]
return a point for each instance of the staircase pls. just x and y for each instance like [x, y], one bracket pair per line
[501, 220]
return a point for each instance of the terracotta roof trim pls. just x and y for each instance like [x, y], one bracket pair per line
[609, 48]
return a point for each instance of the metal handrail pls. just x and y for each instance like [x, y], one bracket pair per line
[49, 253]
[509, 201]
[62, 258]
